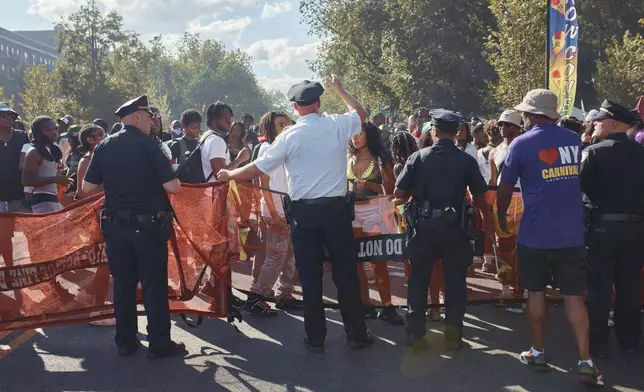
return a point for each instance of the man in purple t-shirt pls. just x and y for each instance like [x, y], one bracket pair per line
[551, 237]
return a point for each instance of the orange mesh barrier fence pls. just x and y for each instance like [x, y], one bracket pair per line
[59, 273]
[378, 227]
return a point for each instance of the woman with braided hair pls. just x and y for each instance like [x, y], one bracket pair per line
[403, 144]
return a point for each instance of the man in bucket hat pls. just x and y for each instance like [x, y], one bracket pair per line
[546, 160]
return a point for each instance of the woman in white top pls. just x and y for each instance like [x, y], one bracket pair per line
[279, 261]
[464, 140]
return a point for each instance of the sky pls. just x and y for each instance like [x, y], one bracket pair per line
[269, 30]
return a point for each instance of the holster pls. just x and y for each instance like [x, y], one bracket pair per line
[468, 220]
[287, 204]
[351, 204]
[411, 222]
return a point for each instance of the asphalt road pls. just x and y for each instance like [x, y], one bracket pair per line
[267, 355]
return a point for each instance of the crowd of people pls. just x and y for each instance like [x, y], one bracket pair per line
[531, 234]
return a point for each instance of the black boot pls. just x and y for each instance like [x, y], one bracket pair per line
[389, 314]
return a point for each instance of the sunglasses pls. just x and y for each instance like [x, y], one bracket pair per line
[278, 114]
[504, 123]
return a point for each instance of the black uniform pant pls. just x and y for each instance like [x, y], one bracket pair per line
[136, 252]
[447, 242]
[320, 226]
[616, 257]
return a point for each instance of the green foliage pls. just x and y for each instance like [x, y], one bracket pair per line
[619, 78]
[516, 49]
[8, 99]
[600, 22]
[477, 56]
[121, 67]
[404, 54]
[41, 96]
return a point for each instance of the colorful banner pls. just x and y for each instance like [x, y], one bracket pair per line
[563, 53]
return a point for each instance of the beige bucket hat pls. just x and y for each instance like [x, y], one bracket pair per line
[510, 116]
[540, 101]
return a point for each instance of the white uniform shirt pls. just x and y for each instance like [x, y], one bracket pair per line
[314, 153]
[277, 182]
[214, 146]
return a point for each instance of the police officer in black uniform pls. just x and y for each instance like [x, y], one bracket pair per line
[437, 178]
[612, 178]
[314, 154]
[136, 221]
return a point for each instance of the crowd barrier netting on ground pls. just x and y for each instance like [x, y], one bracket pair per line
[59, 274]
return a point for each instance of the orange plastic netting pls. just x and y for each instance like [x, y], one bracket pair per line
[59, 273]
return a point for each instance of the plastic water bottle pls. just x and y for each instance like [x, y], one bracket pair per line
[4, 206]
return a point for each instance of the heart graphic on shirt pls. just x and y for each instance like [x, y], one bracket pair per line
[549, 156]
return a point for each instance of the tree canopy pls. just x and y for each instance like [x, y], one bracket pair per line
[103, 65]
[476, 56]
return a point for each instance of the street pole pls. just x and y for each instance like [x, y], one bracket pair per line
[547, 70]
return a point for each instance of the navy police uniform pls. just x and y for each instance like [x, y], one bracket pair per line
[437, 178]
[136, 221]
[313, 152]
[612, 178]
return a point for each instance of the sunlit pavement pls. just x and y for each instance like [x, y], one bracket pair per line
[268, 355]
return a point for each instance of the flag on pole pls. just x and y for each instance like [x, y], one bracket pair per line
[563, 37]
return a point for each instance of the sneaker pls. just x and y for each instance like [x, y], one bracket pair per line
[171, 350]
[589, 375]
[289, 302]
[235, 301]
[390, 315]
[363, 342]
[258, 307]
[537, 363]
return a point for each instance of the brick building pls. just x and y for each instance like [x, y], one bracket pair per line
[19, 49]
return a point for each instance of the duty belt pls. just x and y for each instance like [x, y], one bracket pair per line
[435, 214]
[619, 218]
[122, 217]
[322, 200]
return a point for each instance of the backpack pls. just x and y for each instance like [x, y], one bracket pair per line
[255, 153]
[190, 169]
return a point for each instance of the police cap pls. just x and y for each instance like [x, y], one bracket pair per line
[614, 111]
[446, 120]
[305, 93]
[134, 105]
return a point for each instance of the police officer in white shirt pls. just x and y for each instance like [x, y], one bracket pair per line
[314, 153]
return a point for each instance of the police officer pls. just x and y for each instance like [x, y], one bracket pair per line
[136, 221]
[436, 178]
[314, 152]
[612, 177]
